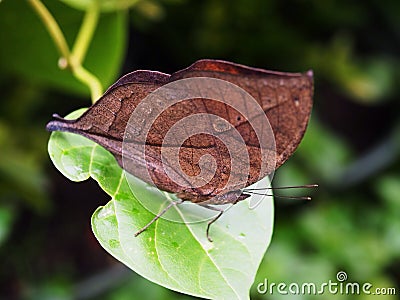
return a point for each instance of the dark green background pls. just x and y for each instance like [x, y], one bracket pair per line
[351, 147]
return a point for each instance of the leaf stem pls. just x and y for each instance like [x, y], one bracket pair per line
[52, 27]
[86, 32]
[91, 81]
[73, 60]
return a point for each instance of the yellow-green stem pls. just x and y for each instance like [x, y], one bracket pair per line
[86, 32]
[52, 27]
[83, 75]
[73, 61]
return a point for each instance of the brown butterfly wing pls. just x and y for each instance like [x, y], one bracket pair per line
[286, 99]
[105, 121]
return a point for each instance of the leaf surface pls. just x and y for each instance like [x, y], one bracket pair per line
[175, 255]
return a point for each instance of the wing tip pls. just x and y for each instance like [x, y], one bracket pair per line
[58, 124]
[52, 126]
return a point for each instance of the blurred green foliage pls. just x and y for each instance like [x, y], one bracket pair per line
[104, 57]
[351, 148]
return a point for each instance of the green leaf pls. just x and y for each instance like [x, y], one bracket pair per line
[173, 254]
[28, 51]
[7, 216]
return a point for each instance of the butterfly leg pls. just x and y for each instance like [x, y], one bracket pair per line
[221, 211]
[172, 203]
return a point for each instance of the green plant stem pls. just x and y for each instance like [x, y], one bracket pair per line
[52, 28]
[74, 60]
[86, 32]
[83, 75]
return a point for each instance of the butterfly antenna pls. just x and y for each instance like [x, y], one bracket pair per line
[305, 186]
[279, 196]
[254, 191]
